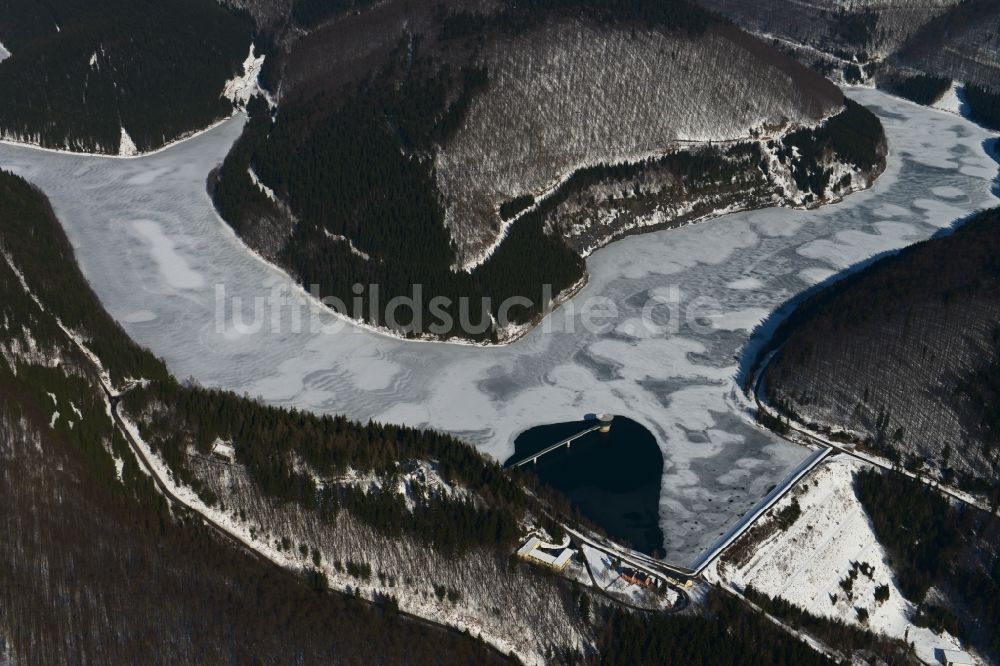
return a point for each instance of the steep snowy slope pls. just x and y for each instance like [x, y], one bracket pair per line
[872, 28]
[573, 95]
[962, 43]
[828, 561]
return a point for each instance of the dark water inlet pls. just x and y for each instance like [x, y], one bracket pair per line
[612, 478]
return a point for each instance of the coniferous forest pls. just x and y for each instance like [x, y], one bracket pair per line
[984, 105]
[82, 71]
[341, 184]
[929, 403]
[93, 554]
[733, 636]
[359, 169]
[921, 88]
[268, 439]
[933, 544]
[171, 576]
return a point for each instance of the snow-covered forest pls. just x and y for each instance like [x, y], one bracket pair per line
[95, 565]
[509, 604]
[447, 156]
[962, 44]
[864, 40]
[573, 95]
[844, 27]
[903, 354]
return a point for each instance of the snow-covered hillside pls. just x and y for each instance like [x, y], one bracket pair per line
[869, 39]
[875, 27]
[242, 87]
[962, 43]
[828, 561]
[512, 608]
[668, 193]
[574, 96]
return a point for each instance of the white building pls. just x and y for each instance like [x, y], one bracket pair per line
[224, 451]
[532, 550]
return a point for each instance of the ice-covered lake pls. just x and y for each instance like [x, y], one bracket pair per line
[148, 240]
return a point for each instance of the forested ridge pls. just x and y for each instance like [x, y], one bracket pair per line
[269, 440]
[959, 42]
[902, 352]
[94, 565]
[899, 45]
[953, 549]
[357, 170]
[385, 205]
[81, 71]
[125, 577]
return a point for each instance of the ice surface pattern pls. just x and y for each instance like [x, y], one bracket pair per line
[153, 249]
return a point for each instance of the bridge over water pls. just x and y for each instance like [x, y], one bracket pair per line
[533, 458]
[603, 424]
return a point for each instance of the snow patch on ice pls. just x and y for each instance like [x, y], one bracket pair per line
[938, 213]
[738, 320]
[173, 266]
[138, 317]
[745, 284]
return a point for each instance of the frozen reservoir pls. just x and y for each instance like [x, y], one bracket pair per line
[148, 239]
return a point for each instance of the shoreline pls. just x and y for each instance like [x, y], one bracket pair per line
[82, 153]
[562, 297]
[515, 332]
